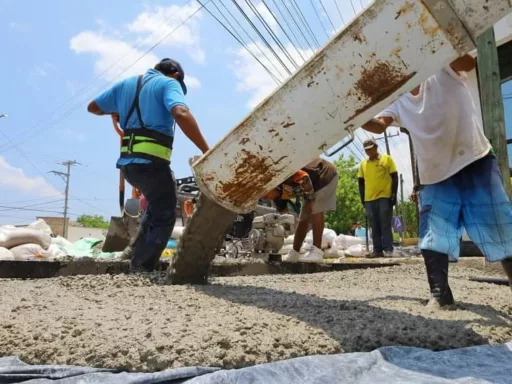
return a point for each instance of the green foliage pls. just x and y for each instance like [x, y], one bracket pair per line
[408, 210]
[348, 208]
[92, 221]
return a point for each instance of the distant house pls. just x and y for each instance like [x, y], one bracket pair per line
[75, 230]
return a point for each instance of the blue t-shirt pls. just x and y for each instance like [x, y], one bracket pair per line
[156, 100]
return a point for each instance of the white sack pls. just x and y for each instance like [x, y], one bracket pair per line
[177, 232]
[358, 250]
[42, 226]
[5, 254]
[61, 242]
[12, 237]
[328, 237]
[56, 252]
[29, 252]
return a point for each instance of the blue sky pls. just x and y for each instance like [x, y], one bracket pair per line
[57, 55]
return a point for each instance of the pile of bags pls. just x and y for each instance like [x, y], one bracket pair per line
[31, 243]
[334, 246]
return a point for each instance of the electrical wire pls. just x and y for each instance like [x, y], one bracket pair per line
[242, 43]
[34, 205]
[284, 31]
[339, 11]
[354, 8]
[305, 22]
[271, 33]
[261, 37]
[301, 45]
[319, 19]
[327, 14]
[253, 41]
[306, 40]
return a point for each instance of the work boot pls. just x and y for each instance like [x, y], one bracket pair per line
[436, 265]
[507, 266]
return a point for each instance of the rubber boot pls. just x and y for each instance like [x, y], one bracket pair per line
[436, 265]
[507, 266]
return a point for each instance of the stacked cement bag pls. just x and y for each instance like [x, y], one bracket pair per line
[32, 243]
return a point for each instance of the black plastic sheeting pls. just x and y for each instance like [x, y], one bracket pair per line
[481, 364]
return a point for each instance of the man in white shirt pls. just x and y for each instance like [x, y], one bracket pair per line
[459, 174]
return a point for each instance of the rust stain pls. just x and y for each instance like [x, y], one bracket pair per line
[406, 8]
[429, 30]
[378, 82]
[250, 175]
[359, 37]
[244, 141]
[396, 51]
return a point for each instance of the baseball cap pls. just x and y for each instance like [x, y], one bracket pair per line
[170, 65]
[370, 143]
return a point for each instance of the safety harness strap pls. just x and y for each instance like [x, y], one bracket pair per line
[143, 142]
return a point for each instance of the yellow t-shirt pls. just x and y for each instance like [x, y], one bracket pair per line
[377, 177]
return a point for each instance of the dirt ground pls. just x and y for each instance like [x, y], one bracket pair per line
[130, 322]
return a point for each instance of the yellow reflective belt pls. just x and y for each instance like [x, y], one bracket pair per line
[152, 149]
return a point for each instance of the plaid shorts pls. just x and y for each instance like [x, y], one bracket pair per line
[475, 199]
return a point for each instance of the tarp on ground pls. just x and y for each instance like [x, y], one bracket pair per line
[480, 364]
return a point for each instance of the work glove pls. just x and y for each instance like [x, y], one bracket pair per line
[393, 199]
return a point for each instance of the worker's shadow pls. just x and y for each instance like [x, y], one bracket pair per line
[488, 315]
[360, 326]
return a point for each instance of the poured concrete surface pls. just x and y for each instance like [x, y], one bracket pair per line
[131, 322]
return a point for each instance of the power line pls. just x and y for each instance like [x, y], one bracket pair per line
[327, 14]
[261, 37]
[339, 11]
[319, 19]
[284, 31]
[306, 40]
[305, 22]
[271, 33]
[33, 205]
[240, 40]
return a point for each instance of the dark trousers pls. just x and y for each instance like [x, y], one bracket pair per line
[380, 214]
[157, 184]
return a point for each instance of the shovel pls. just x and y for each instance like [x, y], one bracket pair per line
[122, 228]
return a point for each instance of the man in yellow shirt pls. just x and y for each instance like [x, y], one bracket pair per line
[378, 184]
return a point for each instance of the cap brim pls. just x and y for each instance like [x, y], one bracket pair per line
[183, 86]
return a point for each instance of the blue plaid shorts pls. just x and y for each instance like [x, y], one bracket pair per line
[474, 199]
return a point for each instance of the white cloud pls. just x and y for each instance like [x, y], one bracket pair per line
[157, 22]
[115, 56]
[254, 79]
[15, 179]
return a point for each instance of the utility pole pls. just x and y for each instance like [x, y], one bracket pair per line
[66, 176]
[492, 101]
[386, 140]
[387, 143]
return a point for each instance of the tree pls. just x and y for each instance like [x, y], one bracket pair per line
[348, 203]
[92, 221]
[407, 209]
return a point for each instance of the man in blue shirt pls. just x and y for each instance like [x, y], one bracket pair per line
[147, 108]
